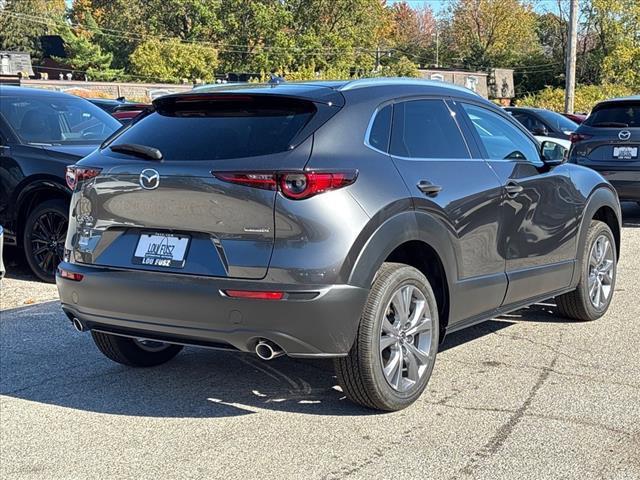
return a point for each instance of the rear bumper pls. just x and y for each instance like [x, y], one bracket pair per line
[626, 183]
[192, 310]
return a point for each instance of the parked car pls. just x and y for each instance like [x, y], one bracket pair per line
[126, 112]
[609, 142]
[41, 132]
[543, 122]
[107, 104]
[120, 109]
[575, 117]
[354, 220]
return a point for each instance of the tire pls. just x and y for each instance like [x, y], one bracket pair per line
[579, 304]
[132, 352]
[43, 240]
[361, 374]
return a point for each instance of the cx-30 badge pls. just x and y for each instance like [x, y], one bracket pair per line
[149, 179]
[624, 135]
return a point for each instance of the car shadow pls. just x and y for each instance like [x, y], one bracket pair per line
[16, 266]
[43, 360]
[630, 215]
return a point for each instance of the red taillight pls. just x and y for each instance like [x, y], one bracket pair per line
[294, 185]
[76, 277]
[77, 174]
[254, 294]
[577, 137]
[266, 181]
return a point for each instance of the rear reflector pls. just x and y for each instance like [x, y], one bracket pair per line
[254, 294]
[293, 185]
[76, 277]
[77, 174]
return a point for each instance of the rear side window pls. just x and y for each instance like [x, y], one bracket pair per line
[220, 127]
[426, 129]
[614, 115]
[380, 133]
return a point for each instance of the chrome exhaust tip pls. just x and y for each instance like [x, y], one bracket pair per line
[78, 325]
[267, 350]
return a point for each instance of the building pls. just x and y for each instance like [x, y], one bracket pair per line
[15, 64]
[497, 85]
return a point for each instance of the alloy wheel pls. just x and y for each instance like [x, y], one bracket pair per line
[405, 338]
[601, 271]
[47, 241]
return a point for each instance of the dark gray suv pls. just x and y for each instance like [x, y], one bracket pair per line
[609, 141]
[356, 220]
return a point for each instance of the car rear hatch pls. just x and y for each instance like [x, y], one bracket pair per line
[610, 136]
[178, 213]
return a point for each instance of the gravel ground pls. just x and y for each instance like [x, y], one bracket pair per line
[525, 396]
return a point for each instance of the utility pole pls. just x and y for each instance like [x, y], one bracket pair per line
[570, 64]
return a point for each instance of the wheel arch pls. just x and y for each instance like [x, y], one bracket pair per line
[416, 239]
[603, 205]
[36, 192]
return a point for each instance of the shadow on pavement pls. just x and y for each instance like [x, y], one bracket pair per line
[42, 359]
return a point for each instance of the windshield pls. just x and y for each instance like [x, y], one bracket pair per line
[558, 122]
[44, 120]
[615, 115]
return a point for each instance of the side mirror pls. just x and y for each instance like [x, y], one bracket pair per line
[552, 153]
[542, 131]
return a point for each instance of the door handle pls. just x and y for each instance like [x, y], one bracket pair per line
[513, 188]
[429, 188]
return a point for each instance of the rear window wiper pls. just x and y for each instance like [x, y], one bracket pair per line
[610, 124]
[137, 150]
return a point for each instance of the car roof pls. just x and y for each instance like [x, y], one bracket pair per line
[631, 98]
[32, 92]
[330, 91]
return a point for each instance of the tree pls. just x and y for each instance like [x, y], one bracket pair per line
[84, 55]
[492, 33]
[173, 60]
[619, 25]
[413, 31]
[23, 22]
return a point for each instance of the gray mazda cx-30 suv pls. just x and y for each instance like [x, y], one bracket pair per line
[357, 220]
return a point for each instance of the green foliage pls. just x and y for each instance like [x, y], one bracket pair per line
[586, 97]
[172, 61]
[85, 56]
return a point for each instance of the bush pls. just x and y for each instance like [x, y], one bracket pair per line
[586, 97]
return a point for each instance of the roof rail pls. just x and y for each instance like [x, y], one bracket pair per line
[386, 81]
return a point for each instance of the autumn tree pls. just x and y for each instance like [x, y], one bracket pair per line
[492, 33]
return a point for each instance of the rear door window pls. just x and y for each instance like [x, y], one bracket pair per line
[613, 115]
[426, 129]
[221, 127]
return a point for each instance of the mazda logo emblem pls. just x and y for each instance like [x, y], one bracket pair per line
[149, 179]
[624, 135]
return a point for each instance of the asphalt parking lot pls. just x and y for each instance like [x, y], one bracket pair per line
[524, 396]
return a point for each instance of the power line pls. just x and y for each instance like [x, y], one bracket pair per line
[217, 46]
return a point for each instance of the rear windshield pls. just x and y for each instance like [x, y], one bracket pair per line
[207, 128]
[615, 115]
